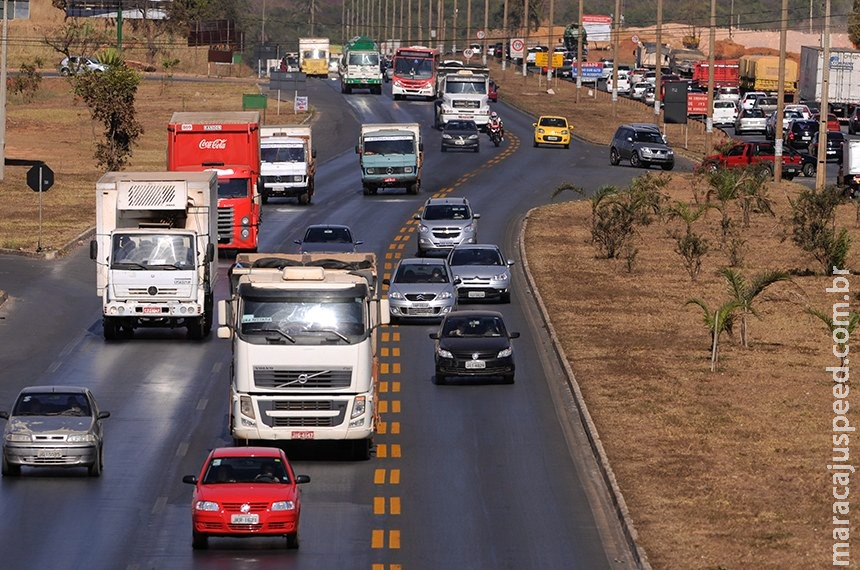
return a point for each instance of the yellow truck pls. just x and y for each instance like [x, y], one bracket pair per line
[761, 73]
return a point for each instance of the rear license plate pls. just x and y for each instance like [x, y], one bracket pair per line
[475, 364]
[49, 453]
[152, 310]
[302, 435]
[477, 294]
[245, 519]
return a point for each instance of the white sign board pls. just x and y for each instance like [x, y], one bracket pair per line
[301, 104]
[597, 28]
[518, 46]
[480, 34]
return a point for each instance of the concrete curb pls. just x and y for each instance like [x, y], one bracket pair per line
[618, 503]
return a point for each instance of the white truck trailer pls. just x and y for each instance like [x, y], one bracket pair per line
[843, 93]
[287, 163]
[464, 96]
[155, 250]
[304, 335]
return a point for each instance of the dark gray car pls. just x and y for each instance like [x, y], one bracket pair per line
[460, 135]
[53, 426]
[327, 238]
[642, 146]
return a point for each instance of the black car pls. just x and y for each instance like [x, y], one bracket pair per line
[460, 135]
[835, 142]
[799, 133]
[327, 238]
[854, 121]
[476, 344]
[808, 163]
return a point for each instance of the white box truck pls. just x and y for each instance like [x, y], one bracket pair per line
[155, 250]
[390, 156]
[287, 163]
[304, 337]
[844, 83]
[851, 168]
[465, 96]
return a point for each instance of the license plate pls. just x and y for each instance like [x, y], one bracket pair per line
[420, 305]
[422, 311]
[391, 179]
[477, 294]
[245, 519]
[552, 138]
[302, 435]
[475, 364]
[460, 142]
[152, 310]
[49, 453]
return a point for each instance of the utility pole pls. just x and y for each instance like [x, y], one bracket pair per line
[486, 33]
[454, 29]
[579, 55]
[3, 59]
[821, 167]
[709, 123]
[615, 36]
[118, 24]
[506, 43]
[550, 43]
[469, 28]
[525, 36]
[385, 34]
[658, 60]
[440, 26]
[780, 96]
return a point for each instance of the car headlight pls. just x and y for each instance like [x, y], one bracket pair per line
[501, 277]
[473, 137]
[81, 437]
[565, 132]
[206, 506]
[670, 152]
[505, 353]
[358, 407]
[540, 131]
[446, 136]
[442, 353]
[422, 229]
[407, 169]
[469, 229]
[283, 506]
[18, 437]
[445, 295]
[395, 295]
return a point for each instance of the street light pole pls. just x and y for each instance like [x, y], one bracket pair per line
[780, 97]
[821, 166]
[616, 35]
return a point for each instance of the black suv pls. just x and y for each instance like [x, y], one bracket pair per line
[642, 145]
[799, 133]
[854, 121]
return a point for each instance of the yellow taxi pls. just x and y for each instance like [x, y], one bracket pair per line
[552, 130]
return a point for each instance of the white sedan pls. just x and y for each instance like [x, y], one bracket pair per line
[725, 112]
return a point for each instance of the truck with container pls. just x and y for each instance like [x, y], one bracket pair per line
[287, 163]
[851, 168]
[155, 251]
[843, 93]
[390, 156]
[228, 143]
[304, 333]
[761, 73]
[360, 66]
[314, 56]
[726, 73]
[464, 96]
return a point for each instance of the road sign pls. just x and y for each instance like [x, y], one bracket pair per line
[40, 178]
[468, 53]
[697, 104]
[301, 104]
[517, 47]
[635, 39]
[590, 70]
[480, 34]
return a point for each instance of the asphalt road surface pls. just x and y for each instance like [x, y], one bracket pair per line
[478, 476]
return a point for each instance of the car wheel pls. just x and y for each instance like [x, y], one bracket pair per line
[64, 72]
[505, 297]
[95, 470]
[444, 149]
[9, 470]
[199, 541]
[668, 166]
[614, 159]
[567, 145]
[293, 541]
[809, 170]
[508, 378]
[440, 379]
[634, 160]
[535, 143]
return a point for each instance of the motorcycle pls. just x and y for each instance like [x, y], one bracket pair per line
[495, 133]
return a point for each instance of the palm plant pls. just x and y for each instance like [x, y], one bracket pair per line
[718, 321]
[744, 293]
[849, 325]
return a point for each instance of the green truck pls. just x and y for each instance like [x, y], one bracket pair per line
[359, 66]
[390, 156]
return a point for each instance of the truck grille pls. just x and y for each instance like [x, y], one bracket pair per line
[288, 379]
[303, 420]
[225, 225]
[466, 104]
[143, 292]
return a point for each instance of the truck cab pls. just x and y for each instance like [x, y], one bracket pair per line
[391, 156]
[287, 163]
[465, 96]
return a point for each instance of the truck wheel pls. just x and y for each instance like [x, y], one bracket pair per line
[414, 188]
[361, 449]
[397, 97]
[304, 199]
[111, 328]
[264, 197]
[196, 328]
[208, 315]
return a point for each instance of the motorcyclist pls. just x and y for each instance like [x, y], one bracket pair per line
[496, 122]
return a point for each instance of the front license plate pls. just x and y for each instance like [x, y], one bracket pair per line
[475, 364]
[245, 519]
[420, 305]
[388, 179]
[49, 453]
[477, 294]
[460, 142]
[552, 138]
[302, 435]
[152, 310]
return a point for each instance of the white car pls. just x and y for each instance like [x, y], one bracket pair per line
[79, 64]
[729, 94]
[725, 112]
[749, 99]
[800, 108]
[750, 121]
[623, 82]
[638, 90]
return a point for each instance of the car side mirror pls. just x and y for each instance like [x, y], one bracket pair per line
[103, 415]
[358, 242]
[314, 153]
[386, 281]
[421, 146]
[629, 139]
[514, 335]
[457, 281]
[190, 479]
[303, 479]
[434, 335]
[297, 241]
[534, 124]
[476, 216]
[210, 252]
[4, 415]
[357, 151]
[511, 262]
[416, 217]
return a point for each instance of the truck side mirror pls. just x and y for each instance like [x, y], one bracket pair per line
[210, 252]
[421, 147]
[357, 151]
[94, 249]
[313, 153]
[223, 317]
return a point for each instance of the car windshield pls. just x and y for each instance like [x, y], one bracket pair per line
[477, 256]
[473, 326]
[461, 126]
[446, 212]
[52, 404]
[754, 114]
[282, 154]
[553, 122]
[421, 273]
[264, 470]
[648, 137]
[328, 235]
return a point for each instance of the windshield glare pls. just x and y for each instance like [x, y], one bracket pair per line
[446, 212]
[148, 251]
[304, 320]
[363, 59]
[648, 137]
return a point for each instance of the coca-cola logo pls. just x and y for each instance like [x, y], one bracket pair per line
[214, 144]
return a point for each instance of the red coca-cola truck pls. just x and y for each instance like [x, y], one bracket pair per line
[726, 73]
[229, 144]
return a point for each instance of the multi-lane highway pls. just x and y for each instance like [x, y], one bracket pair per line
[485, 476]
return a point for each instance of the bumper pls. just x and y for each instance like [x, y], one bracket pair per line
[428, 247]
[284, 418]
[51, 456]
[149, 311]
[658, 159]
[481, 292]
[457, 367]
[461, 144]
[384, 181]
[417, 310]
[552, 139]
[270, 524]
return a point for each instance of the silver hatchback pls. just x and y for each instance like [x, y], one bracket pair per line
[444, 223]
[53, 426]
[483, 272]
[421, 288]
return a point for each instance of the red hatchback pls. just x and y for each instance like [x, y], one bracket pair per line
[832, 121]
[245, 492]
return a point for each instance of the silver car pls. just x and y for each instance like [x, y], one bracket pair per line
[53, 426]
[444, 223]
[421, 288]
[751, 121]
[482, 271]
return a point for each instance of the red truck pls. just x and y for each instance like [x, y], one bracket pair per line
[726, 73]
[750, 153]
[229, 144]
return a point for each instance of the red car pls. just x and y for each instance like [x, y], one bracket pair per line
[493, 91]
[245, 492]
[832, 121]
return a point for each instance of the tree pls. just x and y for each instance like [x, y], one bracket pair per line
[77, 38]
[854, 25]
[690, 246]
[849, 326]
[814, 227]
[110, 98]
[743, 293]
